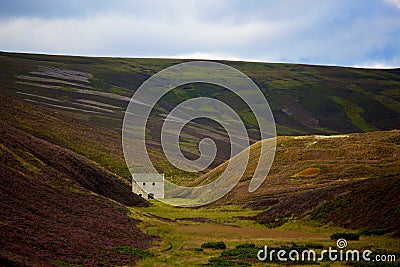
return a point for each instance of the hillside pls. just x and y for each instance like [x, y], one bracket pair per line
[93, 142]
[56, 206]
[350, 180]
[304, 99]
[364, 204]
[65, 189]
[302, 163]
[350, 211]
[23, 150]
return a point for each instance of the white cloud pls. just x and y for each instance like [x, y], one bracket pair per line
[396, 3]
[211, 56]
[110, 33]
[325, 32]
[377, 65]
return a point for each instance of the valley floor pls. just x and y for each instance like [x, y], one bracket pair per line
[184, 230]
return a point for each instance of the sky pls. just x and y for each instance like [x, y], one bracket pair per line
[325, 32]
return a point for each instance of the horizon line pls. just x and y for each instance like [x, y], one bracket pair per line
[228, 59]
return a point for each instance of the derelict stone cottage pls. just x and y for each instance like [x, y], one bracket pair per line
[148, 185]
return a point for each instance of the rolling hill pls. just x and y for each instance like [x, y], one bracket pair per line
[57, 206]
[351, 180]
[304, 99]
[307, 162]
[65, 188]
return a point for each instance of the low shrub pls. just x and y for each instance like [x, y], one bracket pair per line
[242, 251]
[214, 245]
[369, 232]
[248, 252]
[246, 245]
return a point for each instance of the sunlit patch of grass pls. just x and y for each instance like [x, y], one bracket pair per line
[354, 112]
[24, 163]
[309, 172]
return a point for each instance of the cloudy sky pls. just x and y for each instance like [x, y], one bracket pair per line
[330, 32]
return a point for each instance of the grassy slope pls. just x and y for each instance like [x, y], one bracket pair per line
[373, 205]
[369, 204]
[93, 142]
[356, 177]
[304, 99]
[89, 175]
[59, 208]
[340, 160]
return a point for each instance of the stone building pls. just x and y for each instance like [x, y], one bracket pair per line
[148, 185]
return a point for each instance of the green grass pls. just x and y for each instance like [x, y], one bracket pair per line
[180, 247]
[181, 240]
[221, 214]
[388, 102]
[133, 251]
[354, 112]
